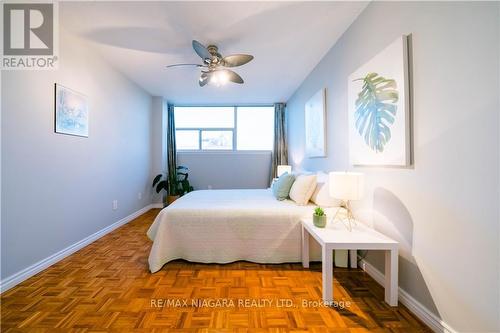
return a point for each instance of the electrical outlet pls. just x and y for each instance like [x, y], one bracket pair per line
[115, 204]
[209, 187]
[139, 195]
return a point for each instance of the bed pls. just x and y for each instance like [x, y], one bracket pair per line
[222, 226]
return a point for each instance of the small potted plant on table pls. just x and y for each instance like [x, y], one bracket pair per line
[319, 217]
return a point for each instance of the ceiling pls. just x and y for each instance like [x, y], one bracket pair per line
[287, 39]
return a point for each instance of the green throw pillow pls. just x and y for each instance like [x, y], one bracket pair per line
[281, 187]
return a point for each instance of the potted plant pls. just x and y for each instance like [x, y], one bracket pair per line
[319, 217]
[183, 185]
[175, 186]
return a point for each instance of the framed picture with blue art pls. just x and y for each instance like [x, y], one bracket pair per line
[71, 112]
[315, 130]
[379, 109]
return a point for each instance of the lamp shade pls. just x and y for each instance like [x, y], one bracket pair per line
[282, 169]
[346, 185]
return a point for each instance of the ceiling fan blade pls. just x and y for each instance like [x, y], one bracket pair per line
[179, 65]
[204, 78]
[233, 76]
[235, 60]
[201, 50]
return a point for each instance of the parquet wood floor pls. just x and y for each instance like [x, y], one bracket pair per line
[106, 287]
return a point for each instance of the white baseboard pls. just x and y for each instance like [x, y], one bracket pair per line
[417, 308]
[157, 205]
[28, 272]
[424, 314]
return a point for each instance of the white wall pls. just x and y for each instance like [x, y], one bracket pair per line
[227, 170]
[444, 210]
[58, 189]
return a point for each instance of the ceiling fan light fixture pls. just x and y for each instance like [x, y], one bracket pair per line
[214, 67]
[219, 78]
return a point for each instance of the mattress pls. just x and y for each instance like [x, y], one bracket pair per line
[222, 226]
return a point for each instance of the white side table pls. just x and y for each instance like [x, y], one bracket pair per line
[336, 237]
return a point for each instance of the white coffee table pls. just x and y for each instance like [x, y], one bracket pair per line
[335, 236]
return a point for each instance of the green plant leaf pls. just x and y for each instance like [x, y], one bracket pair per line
[163, 185]
[376, 110]
[177, 181]
[318, 211]
[157, 179]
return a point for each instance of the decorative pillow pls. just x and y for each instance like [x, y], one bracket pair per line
[302, 189]
[321, 195]
[281, 187]
[297, 173]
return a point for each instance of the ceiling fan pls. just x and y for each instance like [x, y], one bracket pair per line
[214, 67]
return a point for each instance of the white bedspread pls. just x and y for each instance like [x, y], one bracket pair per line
[221, 226]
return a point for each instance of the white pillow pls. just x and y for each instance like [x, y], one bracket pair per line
[303, 188]
[321, 195]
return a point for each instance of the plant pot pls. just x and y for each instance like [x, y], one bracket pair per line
[172, 198]
[319, 221]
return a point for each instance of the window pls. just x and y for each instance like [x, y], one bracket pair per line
[187, 139]
[224, 128]
[255, 128]
[204, 117]
[216, 140]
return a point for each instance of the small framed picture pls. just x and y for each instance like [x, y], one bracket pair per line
[315, 130]
[71, 112]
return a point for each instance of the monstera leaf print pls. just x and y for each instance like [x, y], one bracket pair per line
[376, 110]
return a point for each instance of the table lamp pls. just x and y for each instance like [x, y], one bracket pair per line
[282, 169]
[346, 186]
